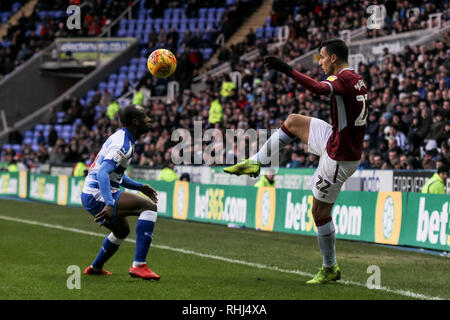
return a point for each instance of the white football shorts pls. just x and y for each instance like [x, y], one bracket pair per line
[330, 175]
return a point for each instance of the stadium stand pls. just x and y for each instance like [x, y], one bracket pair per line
[37, 31]
[408, 126]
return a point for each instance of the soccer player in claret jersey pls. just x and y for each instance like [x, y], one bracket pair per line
[339, 145]
[102, 198]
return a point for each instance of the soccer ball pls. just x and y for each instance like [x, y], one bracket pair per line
[162, 63]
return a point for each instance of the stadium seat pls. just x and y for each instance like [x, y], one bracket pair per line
[17, 148]
[202, 12]
[259, 33]
[211, 14]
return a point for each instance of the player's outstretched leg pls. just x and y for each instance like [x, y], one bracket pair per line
[132, 204]
[326, 237]
[111, 243]
[295, 126]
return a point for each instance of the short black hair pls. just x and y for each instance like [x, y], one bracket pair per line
[442, 168]
[130, 112]
[337, 47]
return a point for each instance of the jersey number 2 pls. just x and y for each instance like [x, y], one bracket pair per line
[325, 187]
[361, 120]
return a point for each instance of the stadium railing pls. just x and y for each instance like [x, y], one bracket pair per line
[129, 11]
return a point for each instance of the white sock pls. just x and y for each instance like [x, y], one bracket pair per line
[327, 239]
[137, 264]
[272, 147]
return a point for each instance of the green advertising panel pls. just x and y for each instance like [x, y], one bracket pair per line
[426, 223]
[353, 214]
[396, 218]
[75, 187]
[214, 203]
[43, 187]
[9, 183]
[165, 196]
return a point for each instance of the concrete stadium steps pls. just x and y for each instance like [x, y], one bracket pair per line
[256, 20]
[26, 10]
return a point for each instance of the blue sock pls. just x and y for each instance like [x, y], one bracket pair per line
[144, 235]
[106, 251]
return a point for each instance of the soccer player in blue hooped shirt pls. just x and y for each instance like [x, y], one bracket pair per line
[103, 199]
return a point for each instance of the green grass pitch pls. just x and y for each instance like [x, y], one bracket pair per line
[197, 261]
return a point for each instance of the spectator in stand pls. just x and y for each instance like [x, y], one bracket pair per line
[14, 136]
[436, 184]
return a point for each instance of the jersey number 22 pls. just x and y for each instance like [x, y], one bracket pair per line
[361, 120]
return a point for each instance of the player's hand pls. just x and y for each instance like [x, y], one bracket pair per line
[274, 63]
[150, 192]
[104, 215]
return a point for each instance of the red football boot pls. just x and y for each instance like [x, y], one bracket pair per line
[90, 270]
[143, 272]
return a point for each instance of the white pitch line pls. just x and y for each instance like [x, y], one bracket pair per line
[228, 260]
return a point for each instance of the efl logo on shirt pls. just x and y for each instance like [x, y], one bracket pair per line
[118, 156]
[331, 78]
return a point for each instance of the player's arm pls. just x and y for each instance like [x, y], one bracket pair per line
[316, 87]
[129, 183]
[104, 184]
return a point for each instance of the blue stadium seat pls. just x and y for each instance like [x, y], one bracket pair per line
[220, 12]
[17, 148]
[211, 14]
[167, 13]
[40, 127]
[182, 27]
[177, 14]
[207, 53]
[259, 32]
[6, 146]
[117, 93]
[268, 31]
[202, 12]
[148, 28]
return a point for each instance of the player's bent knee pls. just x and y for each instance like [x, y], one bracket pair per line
[122, 233]
[298, 125]
[150, 206]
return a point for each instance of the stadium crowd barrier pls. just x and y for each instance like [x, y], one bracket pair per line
[395, 218]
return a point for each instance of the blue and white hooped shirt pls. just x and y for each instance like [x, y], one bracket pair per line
[118, 150]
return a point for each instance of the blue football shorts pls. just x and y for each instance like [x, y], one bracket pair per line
[94, 203]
